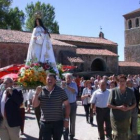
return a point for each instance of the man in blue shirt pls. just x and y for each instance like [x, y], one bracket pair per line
[71, 90]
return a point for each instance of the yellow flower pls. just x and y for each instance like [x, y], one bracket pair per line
[25, 84]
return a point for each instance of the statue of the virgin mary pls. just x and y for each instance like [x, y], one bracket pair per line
[40, 47]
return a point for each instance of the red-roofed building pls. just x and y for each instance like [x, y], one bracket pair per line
[126, 67]
[87, 53]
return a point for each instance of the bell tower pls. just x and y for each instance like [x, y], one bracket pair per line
[132, 36]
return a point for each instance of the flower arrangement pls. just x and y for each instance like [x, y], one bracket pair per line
[34, 74]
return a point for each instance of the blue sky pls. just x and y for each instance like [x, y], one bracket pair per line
[84, 17]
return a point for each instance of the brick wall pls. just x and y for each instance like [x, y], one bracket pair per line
[12, 53]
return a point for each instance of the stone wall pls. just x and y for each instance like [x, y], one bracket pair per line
[58, 49]
[12, 53]
[132, 36]
[129, 70]
[132, 53]
[110, 62]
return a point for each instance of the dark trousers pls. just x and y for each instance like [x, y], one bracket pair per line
[51, 130]
[103, 116]
[133, 124]
[73, 108]
[38, 114]
[22, 112]
[88, 112]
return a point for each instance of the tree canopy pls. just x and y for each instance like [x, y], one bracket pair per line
[12, 18]
[4, 7]
[48, 16]
[15, 19]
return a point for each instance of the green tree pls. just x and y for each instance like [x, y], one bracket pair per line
[4, 8]
[11, 18]
[15, 19]
[48, 16]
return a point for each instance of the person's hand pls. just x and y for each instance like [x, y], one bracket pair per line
[89, 95]
[35, 38]
[45, 32]
[66, 124]
[123, 108]
[63, 84]
[127, 109]
[94, 110]
[9, 91]
[38, 90]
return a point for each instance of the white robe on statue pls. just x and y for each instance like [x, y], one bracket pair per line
[41, 53]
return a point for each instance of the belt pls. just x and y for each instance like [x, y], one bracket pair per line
[102, 108]
[51, 122]
[73, 103]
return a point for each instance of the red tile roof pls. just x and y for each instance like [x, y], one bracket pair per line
[128, 64]
[13, 36]
[24, 37]
[60, 43]
[72, 57]
[95, 52]
[94, 40]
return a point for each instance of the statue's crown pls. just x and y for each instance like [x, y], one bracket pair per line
[38, 14]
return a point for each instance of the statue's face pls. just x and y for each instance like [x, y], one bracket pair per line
[37, 22]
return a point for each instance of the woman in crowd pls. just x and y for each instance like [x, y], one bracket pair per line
[121, 101]
[86, 96]
[82, 84]
[112, 84]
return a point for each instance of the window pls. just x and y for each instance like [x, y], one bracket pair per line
[137, 22]
[129, 24]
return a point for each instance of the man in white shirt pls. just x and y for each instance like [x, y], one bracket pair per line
[100, 99]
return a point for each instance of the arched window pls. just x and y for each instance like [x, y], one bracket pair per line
[129, 24]
[137, 22]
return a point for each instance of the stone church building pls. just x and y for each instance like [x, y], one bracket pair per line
[89, 54]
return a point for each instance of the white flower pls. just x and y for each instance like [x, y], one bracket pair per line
[22, 69]
[40, 69]
[47, 71]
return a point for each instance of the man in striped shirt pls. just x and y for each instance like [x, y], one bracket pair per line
[50, 98]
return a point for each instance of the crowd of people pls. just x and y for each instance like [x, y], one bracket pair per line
[113, 100]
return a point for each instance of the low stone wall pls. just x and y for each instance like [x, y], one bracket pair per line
[129, 70]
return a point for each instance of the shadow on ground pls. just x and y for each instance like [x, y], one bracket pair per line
[29, 137]
[28, 117]
[82, 115]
